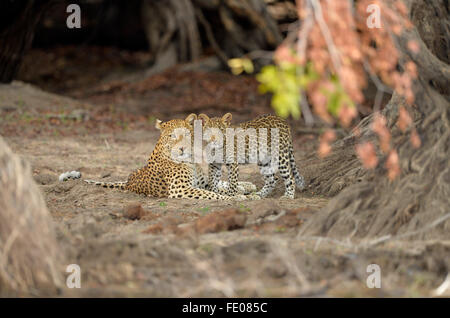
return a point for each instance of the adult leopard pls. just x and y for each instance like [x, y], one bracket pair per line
[166, 174]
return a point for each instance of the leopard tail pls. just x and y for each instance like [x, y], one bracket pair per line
[118, 185]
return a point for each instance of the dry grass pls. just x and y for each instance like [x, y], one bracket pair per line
[29, 255]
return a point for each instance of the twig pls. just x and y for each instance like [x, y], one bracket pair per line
[301, 48]
[309, 119]
[326, 34]
[303, 34]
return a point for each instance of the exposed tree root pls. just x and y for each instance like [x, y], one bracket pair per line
[370, 205]
[232, 28]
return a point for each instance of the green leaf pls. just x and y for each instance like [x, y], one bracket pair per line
[247, 64]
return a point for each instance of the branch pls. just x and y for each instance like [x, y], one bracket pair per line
[326, 34]
[429, 66]
[209, 34]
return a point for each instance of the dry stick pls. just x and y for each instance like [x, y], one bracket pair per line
[326, 34]
[301, 49]
[407, 234]
[376, 241]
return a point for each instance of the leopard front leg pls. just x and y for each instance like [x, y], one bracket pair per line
[215, 184]
[247, 187]
[269, 179]
[233, 184]
[285, 170]
[299, 180]
[243, 187]
[214, 176]
[233, 177]
[200, 179]
[186, 191]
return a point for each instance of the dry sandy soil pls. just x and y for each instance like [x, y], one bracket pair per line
[129, 245]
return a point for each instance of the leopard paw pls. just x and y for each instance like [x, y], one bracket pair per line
[248, 187]
[239, 197]
[253, 196]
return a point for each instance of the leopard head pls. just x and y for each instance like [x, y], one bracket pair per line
[218, 122]
[176, 137]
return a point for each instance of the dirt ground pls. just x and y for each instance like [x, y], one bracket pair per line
[129, 245]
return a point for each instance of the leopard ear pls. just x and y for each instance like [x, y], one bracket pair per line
[190, 119]
[227, 118]
[204, 118]
[158, 124]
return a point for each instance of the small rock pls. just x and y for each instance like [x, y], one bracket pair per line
[134, 212]
[44, 178]
[226, 220]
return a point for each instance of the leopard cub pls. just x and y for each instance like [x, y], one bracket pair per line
[274, 156]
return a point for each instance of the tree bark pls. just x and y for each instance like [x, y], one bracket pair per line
[366, 204]
[19, 20]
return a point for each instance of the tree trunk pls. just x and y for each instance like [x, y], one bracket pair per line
[417, 201]
[18, 22]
